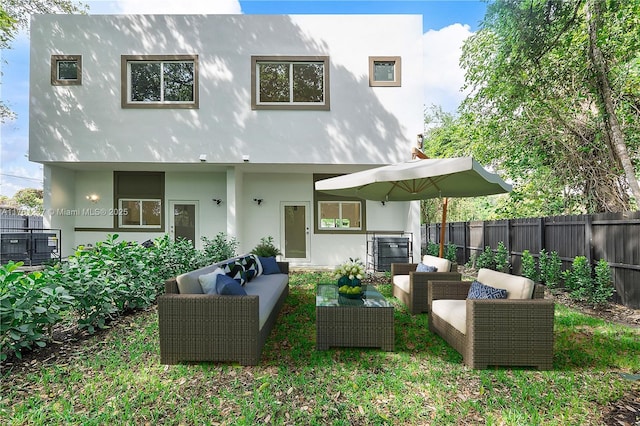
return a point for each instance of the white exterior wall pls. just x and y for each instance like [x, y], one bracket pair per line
[366, 125]
[82, 134]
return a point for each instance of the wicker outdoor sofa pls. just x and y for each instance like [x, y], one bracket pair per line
[197, 327]
[516, 331]
[410, 286]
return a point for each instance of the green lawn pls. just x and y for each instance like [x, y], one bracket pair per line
[116, 378]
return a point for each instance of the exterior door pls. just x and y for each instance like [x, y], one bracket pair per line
[183, 220]
[295, 226]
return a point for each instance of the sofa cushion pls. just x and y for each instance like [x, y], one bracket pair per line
[208, 281]
[269, 265]
[452, 311]
[481, 291]
[425, 268]
[443, 265]
[402, 282]
[235, 270]
[268, 288]
[228, 286]
[188, 283]
[517, 287]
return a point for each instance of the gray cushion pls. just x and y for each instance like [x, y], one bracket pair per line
[189, 284]
[268, 288]
[208, 281]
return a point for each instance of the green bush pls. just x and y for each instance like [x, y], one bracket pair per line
[218, 249]
[486, 259]
[266, 248]
[529, 266]
[582, 285]
[29, 308]
[550, 268]
[433, 249]
[451, 252]
[603, 286]
[501, 258]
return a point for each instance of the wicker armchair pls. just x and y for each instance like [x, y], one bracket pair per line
[411, 287]
[498, 332]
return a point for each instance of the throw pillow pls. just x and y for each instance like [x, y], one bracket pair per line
[250, 266]
[269, 265]
[208, 281]
[482, 291]
[228, 286]
[236, 271]
[425, 268]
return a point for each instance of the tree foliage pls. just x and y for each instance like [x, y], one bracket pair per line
[15, 15]
[538, 112]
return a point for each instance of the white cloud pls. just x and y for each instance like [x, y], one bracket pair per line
[178, 7]
[443, 77]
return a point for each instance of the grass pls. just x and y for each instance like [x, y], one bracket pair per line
[116, 378]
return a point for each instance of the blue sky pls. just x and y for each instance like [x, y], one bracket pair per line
[446, 24]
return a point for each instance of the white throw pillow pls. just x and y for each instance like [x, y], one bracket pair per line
[208, 281]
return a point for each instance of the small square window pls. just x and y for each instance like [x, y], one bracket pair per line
[66, 70]
[384, 71]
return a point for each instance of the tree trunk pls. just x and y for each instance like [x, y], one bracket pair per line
[604, 91]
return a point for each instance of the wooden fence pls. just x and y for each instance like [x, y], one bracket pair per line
[614, 237]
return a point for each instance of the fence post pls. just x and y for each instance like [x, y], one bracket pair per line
[588, 243]
[541, 235]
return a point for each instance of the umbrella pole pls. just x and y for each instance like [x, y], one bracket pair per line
[442, 229]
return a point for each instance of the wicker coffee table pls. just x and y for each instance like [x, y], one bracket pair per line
[366, 322]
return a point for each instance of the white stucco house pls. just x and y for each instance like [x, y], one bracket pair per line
[194, 125]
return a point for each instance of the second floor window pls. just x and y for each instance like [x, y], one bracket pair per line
[290, 82]
[152, 81]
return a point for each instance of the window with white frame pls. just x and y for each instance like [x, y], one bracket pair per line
[340, 215]
[285, 82]
[139, 200]
[142, 213]
[155, 81]
[384, 71]
[66, 70]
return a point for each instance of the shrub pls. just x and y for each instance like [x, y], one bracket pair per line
[486, 259]
[266, 248]
[584, 287]
[451, 252]
[433, 249]
[529, 266]
[218, 249]
[501, 258]
[550, 268]
[602, 288]
[29, 308]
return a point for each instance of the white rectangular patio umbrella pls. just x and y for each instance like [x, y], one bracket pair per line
[419, 179]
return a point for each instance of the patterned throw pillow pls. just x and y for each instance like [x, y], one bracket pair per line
[250, 264]
[425, 268]
[236, 271]
[482, 291]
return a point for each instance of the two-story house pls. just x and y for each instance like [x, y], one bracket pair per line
[194, 125]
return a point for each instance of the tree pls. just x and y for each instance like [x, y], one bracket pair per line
[29, 198]
[14, 16]
[554, 97]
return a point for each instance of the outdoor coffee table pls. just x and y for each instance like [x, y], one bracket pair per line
[366, 322]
